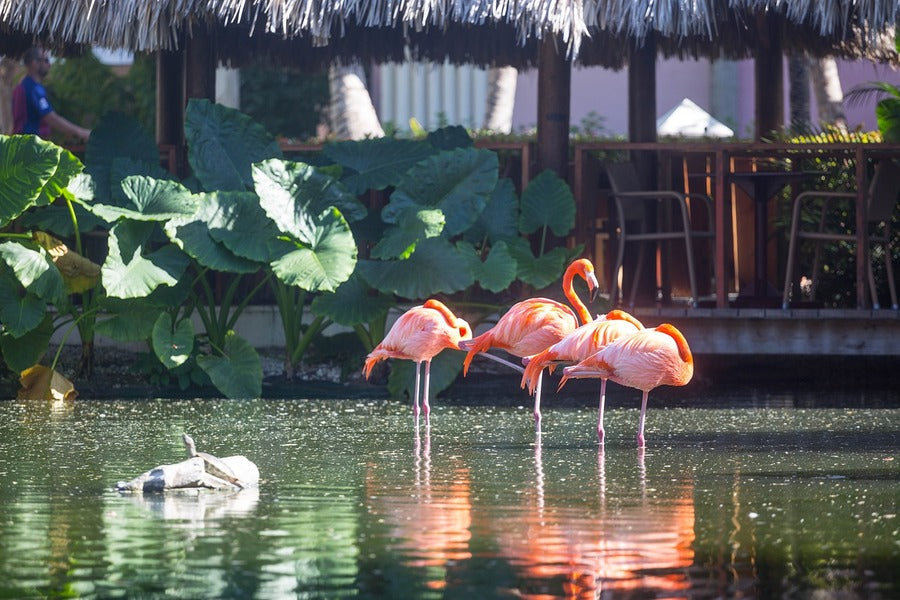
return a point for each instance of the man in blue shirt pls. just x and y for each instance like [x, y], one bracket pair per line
[32, 112]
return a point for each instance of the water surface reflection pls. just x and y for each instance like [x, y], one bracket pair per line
[357, 500]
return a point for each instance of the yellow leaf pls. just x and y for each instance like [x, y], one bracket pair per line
[43, 383]
[416, 127]
[78, 272]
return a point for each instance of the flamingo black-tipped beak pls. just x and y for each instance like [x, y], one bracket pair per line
[593, 286]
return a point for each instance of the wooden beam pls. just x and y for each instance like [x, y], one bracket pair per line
[169, 98]
[768, 77]
[200, 65]
[554, 92]
[642, 128]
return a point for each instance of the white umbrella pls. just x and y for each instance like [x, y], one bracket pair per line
[689, 120]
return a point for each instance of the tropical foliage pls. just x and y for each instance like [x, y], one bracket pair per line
[247, 217]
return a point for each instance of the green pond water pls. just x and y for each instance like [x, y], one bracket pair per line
[357, 501]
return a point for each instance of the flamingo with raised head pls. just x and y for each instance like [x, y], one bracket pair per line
[577, 346]
[533, 325]
[419, 335]
[644, 360]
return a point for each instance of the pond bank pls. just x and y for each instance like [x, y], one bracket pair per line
[810, 380]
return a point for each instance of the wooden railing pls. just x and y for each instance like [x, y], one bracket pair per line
[721, 158]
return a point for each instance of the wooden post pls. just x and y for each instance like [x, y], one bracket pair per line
[642, 108]
[554, 90]
[642, 128]
[169, 98]
[200, 65]
[769, 77]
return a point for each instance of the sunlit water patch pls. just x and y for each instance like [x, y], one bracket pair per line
[356, 500]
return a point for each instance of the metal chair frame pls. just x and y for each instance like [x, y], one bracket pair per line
[881, 200]
[629, 200]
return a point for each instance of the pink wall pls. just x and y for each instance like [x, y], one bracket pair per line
[606, 93]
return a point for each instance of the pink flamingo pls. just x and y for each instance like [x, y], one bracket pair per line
[644, 360]
[419, 335]
[577, 346]
[532, 325]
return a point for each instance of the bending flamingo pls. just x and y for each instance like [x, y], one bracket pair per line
[419, 335]
[644, 360]
[577, 346]
[532, 325]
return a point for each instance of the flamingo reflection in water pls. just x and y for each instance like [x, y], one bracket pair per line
[429, 520]
[572, 548]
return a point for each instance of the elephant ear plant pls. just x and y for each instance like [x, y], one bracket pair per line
[39, 275]
[245, 215]
[451, 226]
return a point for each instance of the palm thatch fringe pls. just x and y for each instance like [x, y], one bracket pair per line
[310, 33]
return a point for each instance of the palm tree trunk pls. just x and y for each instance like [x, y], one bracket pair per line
[798, 77]
[351, 111]
[501, 99]
[829, 95]
[8, 70]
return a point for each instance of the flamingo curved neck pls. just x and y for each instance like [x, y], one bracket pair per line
[572, 296]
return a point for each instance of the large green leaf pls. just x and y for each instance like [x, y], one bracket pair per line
[27, 163]
[500, 218]
[459, 182]
[537, 272]
[172, 345]
[132, 269]
[132, 322]
[445, 368]
[497, 271]
[149, 199]
[323, 264]
[114, 138]
[376, 163]
[290, 191]
[20, 311]
[34, 269]
[25, 351]
[67, 169]
[244, 227]
[223, 143]
[352, 303]
[125, 166]
[450, 137]
[414, 224]
[547, 202]
[436, 266]
[238, 372]
[56, 219]
[192, 234]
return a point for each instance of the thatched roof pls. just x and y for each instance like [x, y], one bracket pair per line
[730, 28]
[310, 32]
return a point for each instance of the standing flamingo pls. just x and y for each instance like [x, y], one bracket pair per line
[577, 346]
[419, 335]
[644, 360]
[532, 325]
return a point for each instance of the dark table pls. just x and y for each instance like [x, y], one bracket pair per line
[762, 185]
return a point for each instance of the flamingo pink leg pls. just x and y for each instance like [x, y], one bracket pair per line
[426, 406]
[600, 431]
[416, 393]
[640, 436]
[537, 400]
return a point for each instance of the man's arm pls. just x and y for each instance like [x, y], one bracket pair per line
[62, 124]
